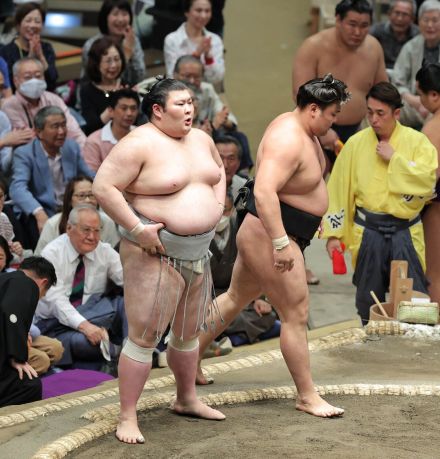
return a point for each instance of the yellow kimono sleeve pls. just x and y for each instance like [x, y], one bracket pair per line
[416, 176]
[338, 220]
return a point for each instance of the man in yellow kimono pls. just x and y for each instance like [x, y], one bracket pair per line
[379, 184]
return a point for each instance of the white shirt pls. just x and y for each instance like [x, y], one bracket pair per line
[100, 265]
[178, 44]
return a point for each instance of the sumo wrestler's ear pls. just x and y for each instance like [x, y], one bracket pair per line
[157, 110]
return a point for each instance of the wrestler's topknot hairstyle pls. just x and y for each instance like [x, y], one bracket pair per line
[322, 92]
[359, 6]
[158, 93]
[386, 93]
[428, 77]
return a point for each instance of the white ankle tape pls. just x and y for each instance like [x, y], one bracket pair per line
[180, 345]
[137, 353]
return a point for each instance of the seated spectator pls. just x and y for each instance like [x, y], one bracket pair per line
[10, 138]
[423, 47]
[20, 291]
[43, 351]
[395, 32]
[193, 38]
[115, 19]
[41, 170]
[123, 111]
[29, 21]
[210, 107]
[230, 153]
[5, 83]
[77, 311]
[31, 96]
[7, 230]
[105, 66]
[78, 191]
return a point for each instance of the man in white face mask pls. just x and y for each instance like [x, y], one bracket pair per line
[31, 96]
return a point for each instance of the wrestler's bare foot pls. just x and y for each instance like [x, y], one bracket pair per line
[317, 406]
[128, 431]
[201, 379]
[197, 409]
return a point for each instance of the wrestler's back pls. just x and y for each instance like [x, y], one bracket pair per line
[306, 189]
[175, 186]
[357, 68]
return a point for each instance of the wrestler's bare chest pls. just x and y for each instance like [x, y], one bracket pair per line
[172, 167]
[356, 69]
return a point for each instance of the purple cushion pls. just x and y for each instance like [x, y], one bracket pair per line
[72, 381]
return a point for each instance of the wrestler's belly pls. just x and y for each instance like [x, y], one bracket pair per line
[314, 202]
[192, 210]
[355, 110]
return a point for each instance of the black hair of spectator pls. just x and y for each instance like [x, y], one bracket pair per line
[227, 140]
[386, 93]
[106, 8]
[187, 4]
[428, 77]
[358, 6]
[42, 268]
[67, 200]
[322, 92]
[185, 59]
[124, 93]
[24, 9]
[97, 52]
[158, 93]
[5, 246]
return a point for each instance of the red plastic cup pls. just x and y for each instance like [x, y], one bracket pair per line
[339, 266]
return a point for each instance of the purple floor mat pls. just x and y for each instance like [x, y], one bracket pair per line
[72, 381]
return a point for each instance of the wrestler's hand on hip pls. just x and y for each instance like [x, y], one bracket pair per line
[284, 259]
[149, 240]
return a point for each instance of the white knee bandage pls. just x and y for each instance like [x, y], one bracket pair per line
[180, 345]
[137, 353]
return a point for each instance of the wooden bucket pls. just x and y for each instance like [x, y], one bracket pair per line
[375, 313]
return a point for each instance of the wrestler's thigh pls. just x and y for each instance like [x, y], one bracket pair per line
[146, 281]
[287, 292]
[431, 225]
[244, 286]
[189, 311]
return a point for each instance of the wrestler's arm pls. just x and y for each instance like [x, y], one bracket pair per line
[305, 64]
[280, 159]
[381, 73]
[220, 187]
[116, 173]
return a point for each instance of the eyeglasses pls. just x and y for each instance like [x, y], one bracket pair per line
[88, 231]
[84, 196]
[111, 60]
[429, 21]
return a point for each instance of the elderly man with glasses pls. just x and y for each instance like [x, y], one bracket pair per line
[80, 311]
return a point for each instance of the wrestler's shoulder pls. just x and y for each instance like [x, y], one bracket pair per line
[284, 129]
[319, 41]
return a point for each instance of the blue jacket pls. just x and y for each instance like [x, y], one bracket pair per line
[32, 186]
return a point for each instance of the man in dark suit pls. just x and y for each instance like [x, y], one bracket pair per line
[19, 294]
[41, 170]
